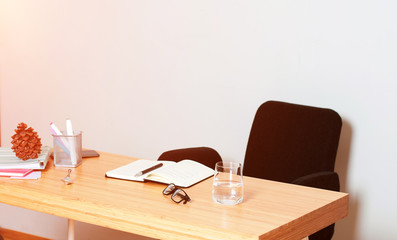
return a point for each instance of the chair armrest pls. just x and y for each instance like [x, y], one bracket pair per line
[205, 155]
[325, 180]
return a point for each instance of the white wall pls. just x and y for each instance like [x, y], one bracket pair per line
[142, 77]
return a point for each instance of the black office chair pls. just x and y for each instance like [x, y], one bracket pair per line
[204, 155]
[290, 143]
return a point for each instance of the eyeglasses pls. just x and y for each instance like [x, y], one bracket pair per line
[178, 195]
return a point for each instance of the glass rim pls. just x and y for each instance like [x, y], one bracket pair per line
[228, 164]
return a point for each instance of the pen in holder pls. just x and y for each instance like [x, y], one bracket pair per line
[67, 149]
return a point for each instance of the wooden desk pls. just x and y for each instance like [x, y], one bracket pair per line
[270, 210]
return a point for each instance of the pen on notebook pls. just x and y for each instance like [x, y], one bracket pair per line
[148, 170]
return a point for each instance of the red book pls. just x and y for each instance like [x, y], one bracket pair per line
[15, 172]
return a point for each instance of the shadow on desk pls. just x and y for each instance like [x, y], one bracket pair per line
[84, 231]
[89, 231]
[7, 234]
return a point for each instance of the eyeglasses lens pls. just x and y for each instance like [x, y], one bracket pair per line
[169, 189]
[179, 195]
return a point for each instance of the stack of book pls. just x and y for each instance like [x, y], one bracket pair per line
[12, 166]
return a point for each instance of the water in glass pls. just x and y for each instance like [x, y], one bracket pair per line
[228, 183]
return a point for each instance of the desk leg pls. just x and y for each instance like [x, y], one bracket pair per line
[70, 229]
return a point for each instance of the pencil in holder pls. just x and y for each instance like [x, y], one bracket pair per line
[67, 149]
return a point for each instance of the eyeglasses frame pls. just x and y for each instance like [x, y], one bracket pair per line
[174, 191]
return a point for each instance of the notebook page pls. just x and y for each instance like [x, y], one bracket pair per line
[128, 171]
[184, 173]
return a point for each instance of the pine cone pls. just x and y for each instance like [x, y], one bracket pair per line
[25, 142]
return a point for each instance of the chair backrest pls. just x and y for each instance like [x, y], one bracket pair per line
[205, 155]
[288, 141]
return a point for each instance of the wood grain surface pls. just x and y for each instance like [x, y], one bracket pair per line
[270, 210]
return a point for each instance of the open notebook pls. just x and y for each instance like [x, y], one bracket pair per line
[183, 174]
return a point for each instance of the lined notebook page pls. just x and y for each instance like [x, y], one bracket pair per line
[128, 171]
[183, 173]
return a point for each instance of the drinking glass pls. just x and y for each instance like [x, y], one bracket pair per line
[227, 188]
